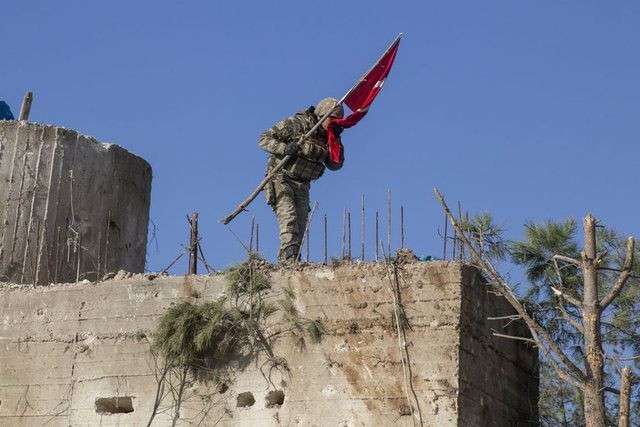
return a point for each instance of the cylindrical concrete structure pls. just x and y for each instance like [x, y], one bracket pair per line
[71, 208]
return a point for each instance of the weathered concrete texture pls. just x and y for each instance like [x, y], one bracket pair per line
[64, 347]
[67, 204]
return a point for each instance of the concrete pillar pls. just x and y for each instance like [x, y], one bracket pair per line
[71, 208]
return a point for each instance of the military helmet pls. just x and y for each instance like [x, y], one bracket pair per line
[326, 105]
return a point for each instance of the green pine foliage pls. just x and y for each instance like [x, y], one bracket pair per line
[204, 337]
[561, 403]
[486, 235]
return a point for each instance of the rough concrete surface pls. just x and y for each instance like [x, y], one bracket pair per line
[68, 203]
[68, 353]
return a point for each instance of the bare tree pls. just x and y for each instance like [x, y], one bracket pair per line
[589, 378]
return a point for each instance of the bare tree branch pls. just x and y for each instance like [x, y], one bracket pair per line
[569, 298]
[576, 377]
[567, 260]
[511, 317]
[622, 278]
[565, 314]
[600, 257]
[568, 318]
[513, 337]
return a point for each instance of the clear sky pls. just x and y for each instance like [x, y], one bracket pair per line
[527, 109]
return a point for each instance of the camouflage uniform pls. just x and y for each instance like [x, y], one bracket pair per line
[288, 192]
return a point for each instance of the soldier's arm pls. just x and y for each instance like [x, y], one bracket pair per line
[333, 166]
[275, 139]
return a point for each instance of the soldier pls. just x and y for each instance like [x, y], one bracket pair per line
[288, 192]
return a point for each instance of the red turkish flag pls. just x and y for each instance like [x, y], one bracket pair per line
[362, 96]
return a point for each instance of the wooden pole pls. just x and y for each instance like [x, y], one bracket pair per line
[26, 106]
[362, 227]
[106, 249]
[325, 239]
[349, 232]
[402, 226]
[308, 239]
[193, 251]
[307, 230]
[460, 240]
[446, 222]
[377, 236]
[99, 260]
[344, 225]
[389, 223]
[455, 244]
[462, 243]
[258, 239]
[79, 251]
[253, 222]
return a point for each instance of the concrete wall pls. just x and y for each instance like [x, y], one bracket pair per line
[67, 204]
[64, 347]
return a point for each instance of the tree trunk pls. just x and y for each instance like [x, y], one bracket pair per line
[593, 397]
[625, 396]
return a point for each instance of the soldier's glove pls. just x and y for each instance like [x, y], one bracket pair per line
[337, 129]
[291, 149]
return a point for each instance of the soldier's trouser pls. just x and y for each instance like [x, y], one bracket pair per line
[291, 208]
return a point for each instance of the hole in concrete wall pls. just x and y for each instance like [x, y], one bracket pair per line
[405, 410]
[275, 399]
[112, 224]
[114, 405]
[245, 400]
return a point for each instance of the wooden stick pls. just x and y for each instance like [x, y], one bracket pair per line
[253, 221]
[203, 259]
[258, 239]
[325, 239]
[172, 262]
[99, 250]
[567, 260]
[349, 232]
[462, 243]
[106, 249]
[389, 223]
[402, 226]
[377, 237]
[79, 251]
[305, 235]
[344, 225]
[193, 247]
[57, 256]
[444, 255]
[455, 243]
[308, 239]
[622, 278]
[26, 106]
[362, 227]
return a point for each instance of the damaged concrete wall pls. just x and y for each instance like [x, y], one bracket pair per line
[70, 207]
[70, 354]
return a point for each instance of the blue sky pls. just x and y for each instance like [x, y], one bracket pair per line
[526, 109]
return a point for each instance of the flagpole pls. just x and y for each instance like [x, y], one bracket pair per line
[370, 69]
[242, 206]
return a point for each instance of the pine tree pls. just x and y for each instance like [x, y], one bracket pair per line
[581, 309]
